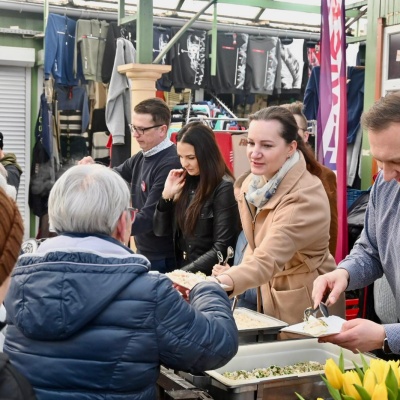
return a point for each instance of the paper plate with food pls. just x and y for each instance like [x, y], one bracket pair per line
[186, 279]
[317, 327]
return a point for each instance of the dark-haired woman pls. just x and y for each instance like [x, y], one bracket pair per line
[285, 216]
[198, 203]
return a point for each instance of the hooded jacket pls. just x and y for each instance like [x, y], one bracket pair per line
[88, 321]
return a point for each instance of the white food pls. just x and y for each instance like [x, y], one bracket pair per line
[245, 321]
[315, 326]
[186, 279]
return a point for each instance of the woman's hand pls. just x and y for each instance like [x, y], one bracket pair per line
[219, 269]
[174, 183]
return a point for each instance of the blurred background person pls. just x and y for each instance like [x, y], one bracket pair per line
[285, 216]
[86, 319]
[9, 189]
[198, 205]
[9, 161]
[13, 385]
[327, 176]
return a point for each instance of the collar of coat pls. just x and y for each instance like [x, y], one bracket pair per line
[287, 183]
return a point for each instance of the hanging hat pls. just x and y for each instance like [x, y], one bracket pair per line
[11, 233]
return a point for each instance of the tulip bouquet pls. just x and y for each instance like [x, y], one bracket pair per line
[380, 380]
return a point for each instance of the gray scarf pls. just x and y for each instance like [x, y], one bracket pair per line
[259, 191]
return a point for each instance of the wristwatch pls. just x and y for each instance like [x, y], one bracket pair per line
[385, 347]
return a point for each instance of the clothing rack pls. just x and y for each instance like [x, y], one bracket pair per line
[235, 119]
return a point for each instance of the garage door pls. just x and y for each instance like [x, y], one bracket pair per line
[15, 102]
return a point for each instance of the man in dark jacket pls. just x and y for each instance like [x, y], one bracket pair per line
[9, 161]
[146, 171]
[86, 319]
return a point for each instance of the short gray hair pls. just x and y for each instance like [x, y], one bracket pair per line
[88, 199]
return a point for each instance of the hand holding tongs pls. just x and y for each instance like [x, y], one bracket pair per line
[229, 254]
[323, 307]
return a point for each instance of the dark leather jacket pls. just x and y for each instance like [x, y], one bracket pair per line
[216, 229]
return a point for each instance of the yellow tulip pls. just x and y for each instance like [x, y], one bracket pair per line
[349, 379]
[380, 369]
[380, 392]
[369, 381]
[395, 368]
[333, 374]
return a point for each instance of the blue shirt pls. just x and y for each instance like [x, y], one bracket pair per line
[377, 252]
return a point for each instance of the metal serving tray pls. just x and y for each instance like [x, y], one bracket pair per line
[266, 328]
[309, 385]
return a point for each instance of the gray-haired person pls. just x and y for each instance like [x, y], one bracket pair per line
[86, 318]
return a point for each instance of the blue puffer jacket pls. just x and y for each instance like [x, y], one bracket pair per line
[95, 324]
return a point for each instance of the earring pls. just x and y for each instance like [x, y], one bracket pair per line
[288, 156]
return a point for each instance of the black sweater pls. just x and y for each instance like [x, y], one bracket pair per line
[147, 176]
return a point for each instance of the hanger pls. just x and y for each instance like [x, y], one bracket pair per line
[258, 36]
[311, 43]
[160, 28]
[285, 41]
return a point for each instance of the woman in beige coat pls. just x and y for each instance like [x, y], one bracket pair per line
[285, 216]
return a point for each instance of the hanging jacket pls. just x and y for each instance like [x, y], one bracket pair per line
[59, 55]
[87, 321]
[118, 108]
[217, 228]
[89, 47]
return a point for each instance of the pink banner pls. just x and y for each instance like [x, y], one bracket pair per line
[332, 113]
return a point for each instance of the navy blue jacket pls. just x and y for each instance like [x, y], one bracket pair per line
[87, 321]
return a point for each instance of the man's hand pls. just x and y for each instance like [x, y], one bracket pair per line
[358, 335]
[334, 282]
[86, 160]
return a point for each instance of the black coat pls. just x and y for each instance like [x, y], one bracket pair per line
[216, 229]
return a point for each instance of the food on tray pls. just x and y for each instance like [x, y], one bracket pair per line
[315, 326]
[275, 370]
[247, 321]
[186, 279]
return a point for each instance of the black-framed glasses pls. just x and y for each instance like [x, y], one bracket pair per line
[132, 212]
[142, 131]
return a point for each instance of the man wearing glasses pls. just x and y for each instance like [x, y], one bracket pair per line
[147, 171]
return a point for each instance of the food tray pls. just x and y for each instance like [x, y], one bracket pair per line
[280, 353]
[265, 329]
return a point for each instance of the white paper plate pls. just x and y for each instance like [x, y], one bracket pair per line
[334, 326]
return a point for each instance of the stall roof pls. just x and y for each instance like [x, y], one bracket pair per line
[303, 15]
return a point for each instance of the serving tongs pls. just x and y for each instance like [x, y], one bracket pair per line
[321, 307]
[230, 253]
